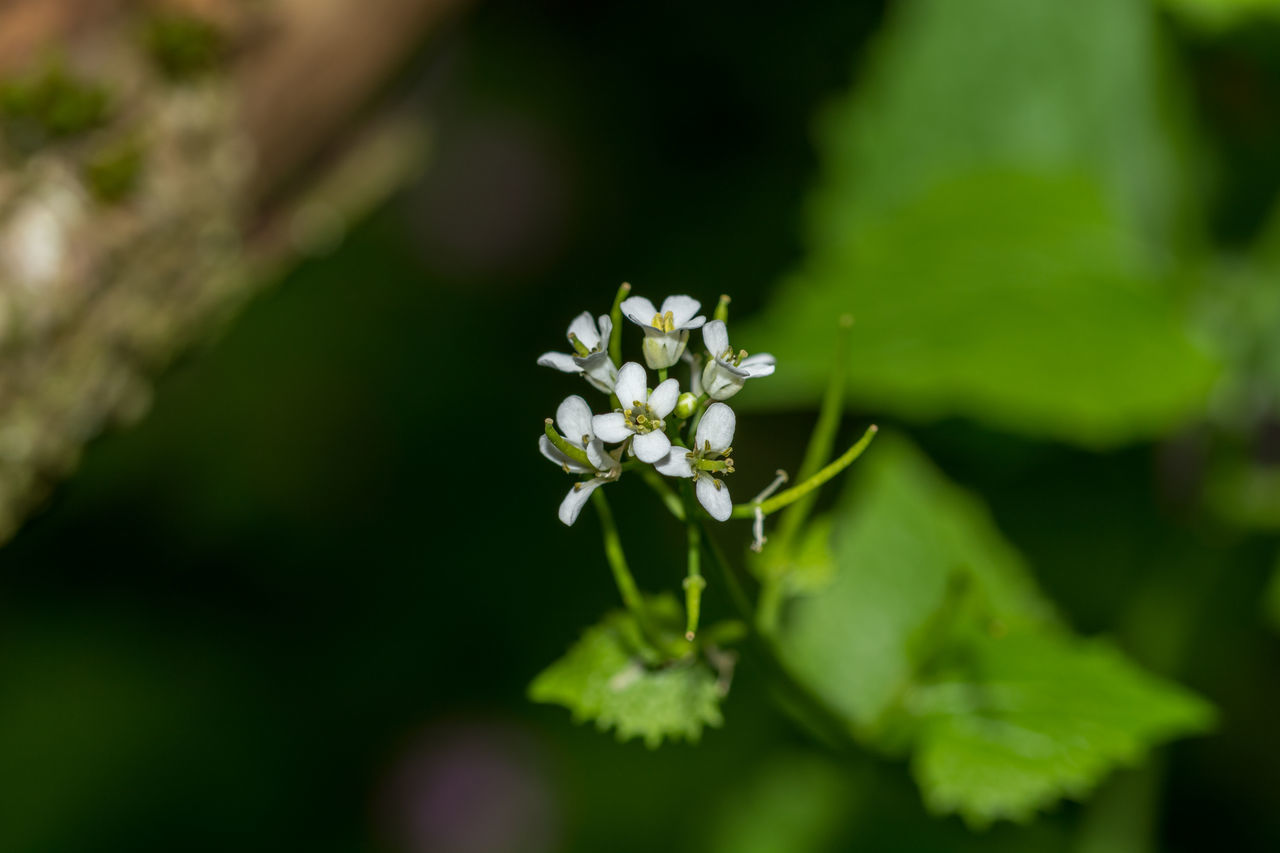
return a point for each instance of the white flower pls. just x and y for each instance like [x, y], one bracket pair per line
[591, 357]
[667, 331]
[712, 444]
[573, 417]
[642, 414]
[726, 373]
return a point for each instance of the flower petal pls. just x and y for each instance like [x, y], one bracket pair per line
[610, 428]
[716, 336]
[599, 458]
[598, 370]
[713, 494]
[577, 498]
[606, 329]
[584, 328]
[682, 309]
[651, 446]
[632, 384]
[717, 426]
[561, 361]
[695, 323]
[760, 364]
[663, 399]
[553, 453]
[674, 464]
[574, 419]
[638, 310]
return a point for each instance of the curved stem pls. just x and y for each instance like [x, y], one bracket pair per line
[797, 492]
[631, 596]
[617, 558]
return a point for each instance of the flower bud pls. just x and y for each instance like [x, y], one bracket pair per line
[686, 405]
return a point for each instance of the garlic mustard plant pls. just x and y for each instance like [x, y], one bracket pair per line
[675, 435]
[588, 338]
[578, 451]
[726, 373]
[666, 330]
[642, 416]
[712, 444]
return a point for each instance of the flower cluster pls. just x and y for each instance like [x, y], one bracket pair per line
[685, 435]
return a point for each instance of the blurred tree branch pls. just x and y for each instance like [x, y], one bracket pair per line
[156, 157]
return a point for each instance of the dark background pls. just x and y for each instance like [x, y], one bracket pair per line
[298, 606]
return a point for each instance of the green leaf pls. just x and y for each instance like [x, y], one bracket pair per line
[806, 565]
[903, 533]
[1216, 15]
[613, 677]
[934, 641]
[1036, 717]
[998, 208]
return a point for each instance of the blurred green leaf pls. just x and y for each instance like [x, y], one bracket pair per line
[999, 205]
[794, 803]
[1034, 718]
[804, 566]
[611, 676]
[934, 640]
[1215, 15]
[902, 535]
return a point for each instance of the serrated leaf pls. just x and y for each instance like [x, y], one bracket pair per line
[902, 534]
[903, 647]
[611, 677]
[998, 204]
[1036, 718]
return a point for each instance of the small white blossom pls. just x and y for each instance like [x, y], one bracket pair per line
[712, 444]
[590, 339]
[666, 331]
[573, 417]
[726, 373]
[642, 415]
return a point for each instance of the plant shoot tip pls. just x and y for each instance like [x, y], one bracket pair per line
[688, 635]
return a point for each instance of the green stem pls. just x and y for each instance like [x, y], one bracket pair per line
[823, 439]
[618, 559]
[693, 581]
[662, 374]
[697, 417]
[795, 493]
[631, 597]
[812, 710]
[768, 606]
[615, 315]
